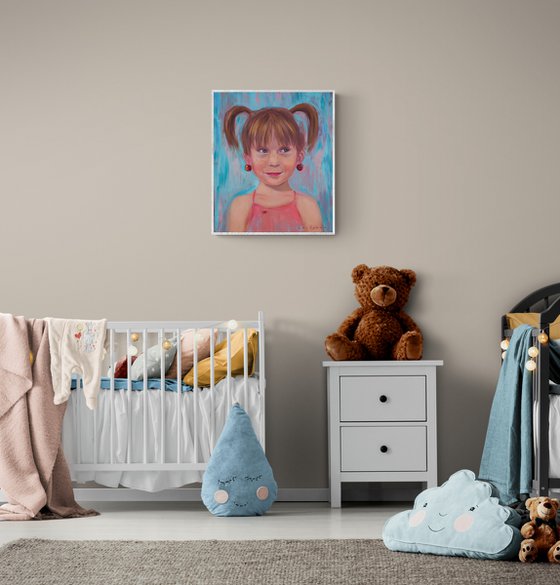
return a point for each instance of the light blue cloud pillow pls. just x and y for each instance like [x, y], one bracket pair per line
[238, 480]
[459, 518]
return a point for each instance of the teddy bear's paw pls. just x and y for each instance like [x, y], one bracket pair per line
[335, 346]
[413, 345]
[528, 530]
[340, 348]
[409, 346]
[554, 553]
[528, 552]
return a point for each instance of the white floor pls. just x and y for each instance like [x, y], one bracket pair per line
[191, 521]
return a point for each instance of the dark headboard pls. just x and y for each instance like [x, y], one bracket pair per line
[545, 301]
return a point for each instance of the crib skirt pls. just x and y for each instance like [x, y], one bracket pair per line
[136, 432]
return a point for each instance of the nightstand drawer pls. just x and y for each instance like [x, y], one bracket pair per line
[382, 398]
[383, 449]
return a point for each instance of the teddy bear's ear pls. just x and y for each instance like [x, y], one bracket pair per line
[358, 272]
[410, 276]
[530, 502]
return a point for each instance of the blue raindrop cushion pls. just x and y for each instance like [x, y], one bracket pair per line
[459, 518]
[238, 480]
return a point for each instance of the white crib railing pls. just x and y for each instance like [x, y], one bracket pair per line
[186, 450]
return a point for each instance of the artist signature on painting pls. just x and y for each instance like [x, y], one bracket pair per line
[310, 228]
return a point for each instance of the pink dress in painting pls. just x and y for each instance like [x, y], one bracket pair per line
[284, 218]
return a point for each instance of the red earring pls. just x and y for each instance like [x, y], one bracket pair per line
[248, 168]
[299, 167]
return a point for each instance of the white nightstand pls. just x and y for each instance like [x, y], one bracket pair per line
[382, 422]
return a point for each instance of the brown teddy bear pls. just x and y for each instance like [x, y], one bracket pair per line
[379, 329]
[542, 536]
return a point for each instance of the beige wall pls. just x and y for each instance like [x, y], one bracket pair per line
[448, 139]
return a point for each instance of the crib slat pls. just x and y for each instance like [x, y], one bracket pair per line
[95, 436]
[145, 400]
[112, 396]
[161, 336]
[128, 399]
[262, 381]
[212, 401]
[77, 425]
[228, 366]
[195, 390]
[179, 393]
[245, 369]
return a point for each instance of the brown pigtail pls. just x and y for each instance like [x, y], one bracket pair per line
[229, 123]
[313, 117]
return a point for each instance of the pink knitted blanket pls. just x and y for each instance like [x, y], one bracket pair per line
[34, 475]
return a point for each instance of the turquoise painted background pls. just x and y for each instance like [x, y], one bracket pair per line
[230, 177]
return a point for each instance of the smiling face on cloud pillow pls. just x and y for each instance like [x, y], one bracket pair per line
[459, 518]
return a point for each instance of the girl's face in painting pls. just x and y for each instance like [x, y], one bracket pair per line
[274, 163]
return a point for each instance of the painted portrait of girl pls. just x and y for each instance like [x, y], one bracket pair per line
[273, 163]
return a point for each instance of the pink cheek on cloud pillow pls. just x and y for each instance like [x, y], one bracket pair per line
[417, 518]
[463, 522]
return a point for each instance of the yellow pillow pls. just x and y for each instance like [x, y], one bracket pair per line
[220, 359]
[532, 319]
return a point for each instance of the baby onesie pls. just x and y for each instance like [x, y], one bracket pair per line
[76, 346]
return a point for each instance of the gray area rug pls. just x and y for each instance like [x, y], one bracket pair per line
[266, 562]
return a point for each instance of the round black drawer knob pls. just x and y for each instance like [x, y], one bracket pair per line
[383, 398]
[384, 448]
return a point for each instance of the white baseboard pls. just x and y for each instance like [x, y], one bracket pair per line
[303, 495]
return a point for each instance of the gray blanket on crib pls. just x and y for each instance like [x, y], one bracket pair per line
[507, 458]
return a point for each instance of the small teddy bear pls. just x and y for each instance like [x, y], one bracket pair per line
[379, 329]
[541, 534]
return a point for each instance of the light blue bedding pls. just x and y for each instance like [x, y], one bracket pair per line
[153, 384]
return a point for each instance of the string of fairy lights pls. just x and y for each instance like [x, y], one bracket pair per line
[533, 351]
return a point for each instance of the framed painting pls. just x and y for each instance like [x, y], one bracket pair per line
[273, 163]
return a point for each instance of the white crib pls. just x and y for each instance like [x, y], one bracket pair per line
[155, 435]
